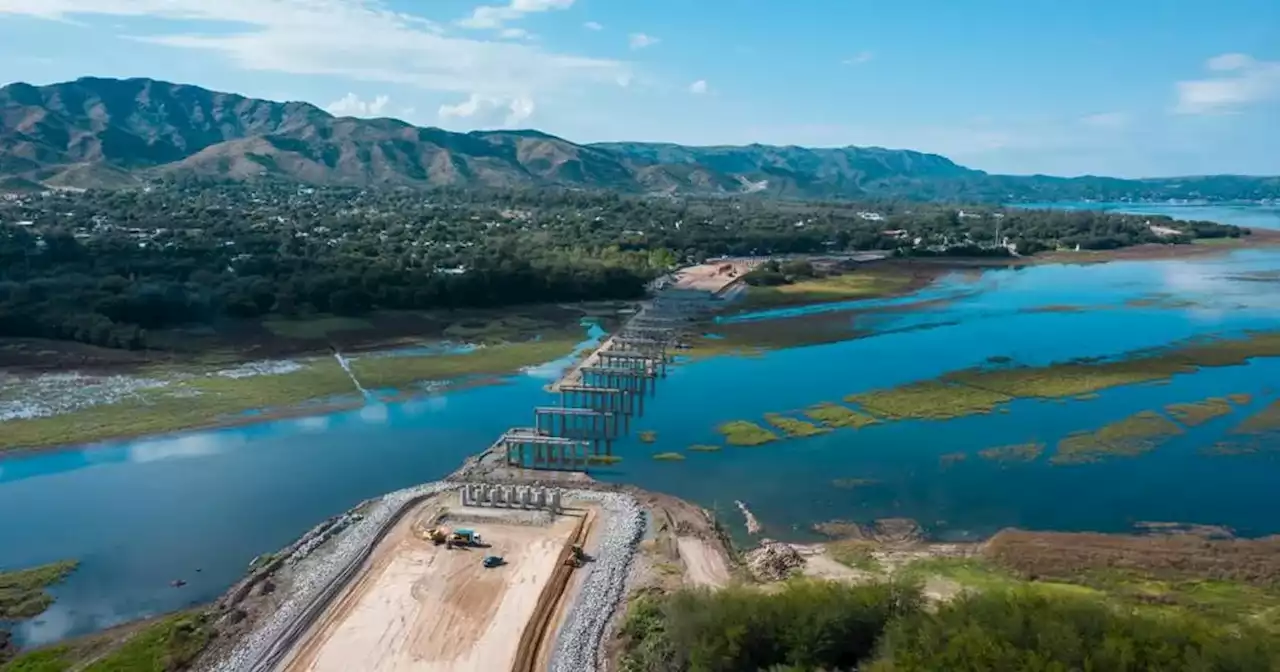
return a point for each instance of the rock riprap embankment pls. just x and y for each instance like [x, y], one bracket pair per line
[313, 578]
[577, 646]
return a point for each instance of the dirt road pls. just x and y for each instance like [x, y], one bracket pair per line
[703, 565]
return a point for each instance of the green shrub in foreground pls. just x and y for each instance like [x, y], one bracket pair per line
[805, 626]
[1032, 632]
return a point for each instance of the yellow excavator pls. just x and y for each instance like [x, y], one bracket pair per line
[438, 535]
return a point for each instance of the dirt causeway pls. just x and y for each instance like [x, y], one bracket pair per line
[421, 607]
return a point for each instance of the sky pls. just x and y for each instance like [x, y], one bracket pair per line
[1129, 88]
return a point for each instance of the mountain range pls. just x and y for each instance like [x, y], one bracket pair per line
[105, 133]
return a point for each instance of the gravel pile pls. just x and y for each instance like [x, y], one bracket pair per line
[578, 644]
[312, 579]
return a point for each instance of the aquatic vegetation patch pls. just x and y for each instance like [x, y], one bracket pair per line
[1090, 396]
[669, 457]
[745, 433]
[835, 415]
[1264, 421]
[1240, 399]
[1023, 452]
[603, 460]
[1161, 300]
[1200, 412]
[647, 436]
[852, 483]
[983, 389]
[929, 400]
[22, 592]
[1130, 437]
[949, 459]
[704, 448]
[793, 427]
[1057, 308]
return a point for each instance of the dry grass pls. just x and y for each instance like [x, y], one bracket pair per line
[1068, 555]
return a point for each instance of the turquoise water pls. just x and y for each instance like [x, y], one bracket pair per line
[1251, 215]
[140, 514]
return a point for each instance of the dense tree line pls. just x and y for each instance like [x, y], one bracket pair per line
[816, 626]
[105, 267]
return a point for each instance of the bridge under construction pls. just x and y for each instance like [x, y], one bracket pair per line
[599, 395]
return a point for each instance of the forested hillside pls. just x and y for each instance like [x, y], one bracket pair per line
[104, 267]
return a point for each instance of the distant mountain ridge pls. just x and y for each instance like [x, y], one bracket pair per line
[97, 132]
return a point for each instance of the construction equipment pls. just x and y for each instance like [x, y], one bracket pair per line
[465, 537]
[493, 561]
[438, 535]
[576, 557]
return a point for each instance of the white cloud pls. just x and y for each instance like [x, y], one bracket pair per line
[356, 39]
[1107, 120]
[350, 105]
[640, 40]
[483, 110]
[592, 25]
[1229, 62]
[515, 33]
[493, 16]
[859, 58]
[699, 87]
[1243, 80]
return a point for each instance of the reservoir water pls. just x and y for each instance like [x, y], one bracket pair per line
[198, 506]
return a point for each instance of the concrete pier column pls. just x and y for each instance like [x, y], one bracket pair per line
[526, 498]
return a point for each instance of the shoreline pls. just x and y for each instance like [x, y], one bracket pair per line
[923, 272]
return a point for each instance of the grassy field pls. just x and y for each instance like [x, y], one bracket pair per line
[868, 283]
[163, 645]
[398, 372]
[315, 327]
[1226, 580]
[22, 592]
[193, 401]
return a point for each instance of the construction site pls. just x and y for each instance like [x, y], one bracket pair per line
[520, 561]
[461, 582]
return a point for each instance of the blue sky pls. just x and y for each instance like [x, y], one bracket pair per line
[1128, 88]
